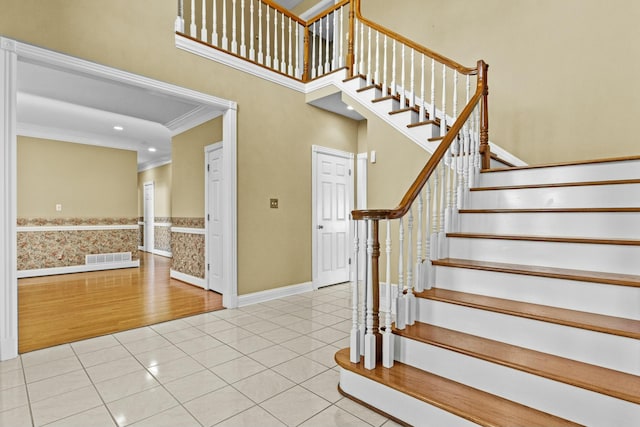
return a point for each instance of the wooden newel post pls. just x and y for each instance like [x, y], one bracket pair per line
[485, 150]
[350, 58]
[306, 60]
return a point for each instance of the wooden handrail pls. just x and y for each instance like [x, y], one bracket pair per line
[415, 46]
[434, 160]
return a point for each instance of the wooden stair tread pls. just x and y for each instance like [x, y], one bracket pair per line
[354, 77]
[578, 319]
[556, 185]
[366, 88]
[575, 163]
[436, 138]
[385, 98]
[403, 110]
[469, 403]
[540, 271]
[550, 210]
[624, 242]
[613, 383]
[424, 123]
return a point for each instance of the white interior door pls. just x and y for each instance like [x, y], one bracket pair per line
[215, 229]
[149, 218]
[333, 196]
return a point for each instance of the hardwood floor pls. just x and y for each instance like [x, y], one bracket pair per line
[55, 310]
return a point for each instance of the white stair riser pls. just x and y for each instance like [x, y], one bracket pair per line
[560, 399]
[581, 256]
[383, 107]
[369, 94]
[591, 196]
[353, 85]
[399, 405]
[423, 133]
[403, 119]
[576, 173]
[614, 225]
[610, 351]
[609, 300]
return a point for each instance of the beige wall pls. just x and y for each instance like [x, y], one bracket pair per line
[562, 74]
[88, 181]
[161, 177]
[188, 168]
[275, 127]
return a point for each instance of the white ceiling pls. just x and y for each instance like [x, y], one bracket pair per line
[76, 107]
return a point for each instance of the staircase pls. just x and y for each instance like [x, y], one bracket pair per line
[534, 318]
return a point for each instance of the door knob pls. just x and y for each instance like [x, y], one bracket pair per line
[320, 227]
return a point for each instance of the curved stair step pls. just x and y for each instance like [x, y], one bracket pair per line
[613, 383]
[577, 319]
[469, 403]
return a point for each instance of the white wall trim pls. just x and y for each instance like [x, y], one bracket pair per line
[271, 294]
[8, 200]
[162, 253]
[187, 230]
[37, 228]
[77, 269]
[237, 63]
[162, 224]
[187, 278]
[230, 180]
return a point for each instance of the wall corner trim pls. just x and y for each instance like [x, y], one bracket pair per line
[187, 278]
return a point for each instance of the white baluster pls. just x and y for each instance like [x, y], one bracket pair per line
[403, 94]
[327, 65]
[417, 284]
[369, 74]
[297, 69]
[401, 306]
[393, 72]
[427, 270]
[314, 71]
[337, 40]
[252, 51]
[422, 90]
[283, 56]
[179, 24]
[443, 119]
[234, 29]
[376, 75]
[384, 67]
[448, 161]
[290, 67]
[341, 34]
[354, 350]
[356, 48]
[361, 68]
[260, 53]
[268, 38]
[434, 221]
[225, 40]
[411, 299]
[320, 67]
[276, 60]
[432, 112]
[243, 44]
[370, 338]
[193, 31]
[443, 207]
[387, 336]
[412, 100]
[204, 34]
[214, 23]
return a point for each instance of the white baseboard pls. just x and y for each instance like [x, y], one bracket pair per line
[270, 294]
[187, 278]
[76, 269]
[162, 253]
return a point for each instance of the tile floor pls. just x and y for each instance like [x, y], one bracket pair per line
[269, 364]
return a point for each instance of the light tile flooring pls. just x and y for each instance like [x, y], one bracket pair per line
[269, 364]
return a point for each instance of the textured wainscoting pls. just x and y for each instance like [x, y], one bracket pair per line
[187, 246]
[53, 243]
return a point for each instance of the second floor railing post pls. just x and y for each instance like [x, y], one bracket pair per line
[305, 65]
[485, 151]
[350, 56]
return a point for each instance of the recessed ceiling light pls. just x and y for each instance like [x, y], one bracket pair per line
[152, 149]
[349, 107]
[117, 127]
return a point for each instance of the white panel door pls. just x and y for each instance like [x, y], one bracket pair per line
[149, 217]
[215, 220]
[333, 203]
